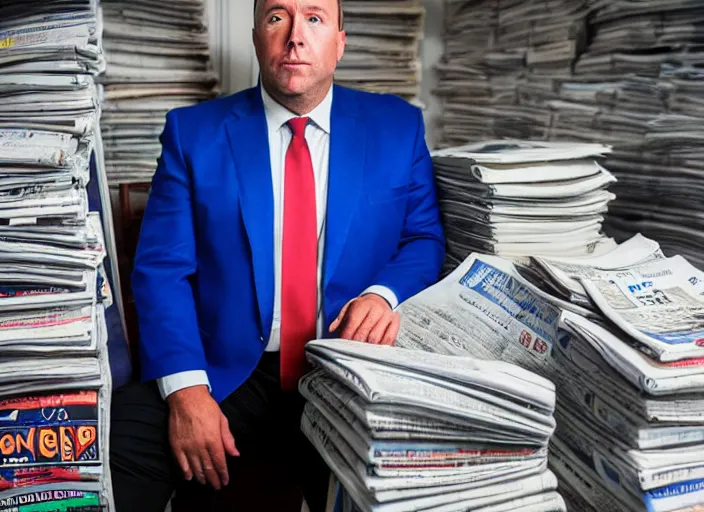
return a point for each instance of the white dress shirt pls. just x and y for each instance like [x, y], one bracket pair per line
[317, 136]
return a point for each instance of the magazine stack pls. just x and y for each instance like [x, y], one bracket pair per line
[55, 381]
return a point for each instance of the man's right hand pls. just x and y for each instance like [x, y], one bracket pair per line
[200, 435]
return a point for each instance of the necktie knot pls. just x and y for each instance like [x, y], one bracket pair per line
[298, 126]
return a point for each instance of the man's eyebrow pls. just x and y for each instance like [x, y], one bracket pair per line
[316, 8]
[275, 7]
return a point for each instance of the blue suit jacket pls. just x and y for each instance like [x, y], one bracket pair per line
[203, 277]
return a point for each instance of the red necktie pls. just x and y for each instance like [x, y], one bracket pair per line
[299, 265]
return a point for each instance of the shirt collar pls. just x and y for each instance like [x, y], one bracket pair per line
[277, 115]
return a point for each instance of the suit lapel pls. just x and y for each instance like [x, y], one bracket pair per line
[346, 170]
[249, 145]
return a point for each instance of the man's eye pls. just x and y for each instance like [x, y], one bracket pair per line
[274, 18]
[314, 19]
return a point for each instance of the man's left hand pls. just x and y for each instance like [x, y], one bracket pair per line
[369, 319]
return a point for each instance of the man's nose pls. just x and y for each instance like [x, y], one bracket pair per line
[296, 38]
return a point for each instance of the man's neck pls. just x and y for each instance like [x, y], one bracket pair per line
[299, 104]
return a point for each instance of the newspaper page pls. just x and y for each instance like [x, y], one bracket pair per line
[651, 376]
[509, 319]
[659, 304]
[502, 379]
[564, 273]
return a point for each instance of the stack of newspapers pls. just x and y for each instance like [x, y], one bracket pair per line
[407, 431]
[619, 335]
[383, 45]
[55, 381]
[157, 60]
[641, 84]
[496, 53]
[515, 198]
[630, 379]
[635, 82]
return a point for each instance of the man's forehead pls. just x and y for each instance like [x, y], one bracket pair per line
[327, 5]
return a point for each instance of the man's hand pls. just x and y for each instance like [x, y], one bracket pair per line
[369, 319]
[200, 435]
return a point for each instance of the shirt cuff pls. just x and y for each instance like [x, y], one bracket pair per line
[172, 383]
[383, 292]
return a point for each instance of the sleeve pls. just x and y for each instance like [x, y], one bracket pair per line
[172, 383]
[384, 292]
[421, 252]
[165, 262]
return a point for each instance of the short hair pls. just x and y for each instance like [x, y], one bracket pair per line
[340, 14]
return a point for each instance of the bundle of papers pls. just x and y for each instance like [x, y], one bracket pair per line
[619, 335]
[55, 381]
[516, 198]
[157, 60]
[406, 431]
[383, 44]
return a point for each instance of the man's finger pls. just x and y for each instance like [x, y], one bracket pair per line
[353, 319]
[183, 464]
[377, 330]
[212, 460]
[336, 323]
[228, 440]
[365, 327]
[196, 466]
[392, 330]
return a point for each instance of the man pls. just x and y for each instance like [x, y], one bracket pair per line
[289, 211]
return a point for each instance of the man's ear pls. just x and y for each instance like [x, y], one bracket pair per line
[341, 43]
[255, 41]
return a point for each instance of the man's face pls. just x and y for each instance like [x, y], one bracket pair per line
[298, 44]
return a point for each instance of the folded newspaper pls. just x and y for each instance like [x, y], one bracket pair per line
[408, 431]
[515, 198]
[628, 377]
[55, 381]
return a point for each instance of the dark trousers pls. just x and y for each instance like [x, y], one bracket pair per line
[265, 422]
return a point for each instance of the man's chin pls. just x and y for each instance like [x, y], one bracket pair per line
[295, 86]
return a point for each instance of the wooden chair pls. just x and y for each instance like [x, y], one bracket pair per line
[128, 222]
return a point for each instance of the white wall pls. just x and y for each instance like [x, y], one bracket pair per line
[233, 55]
[430, 52]
[230, 23]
